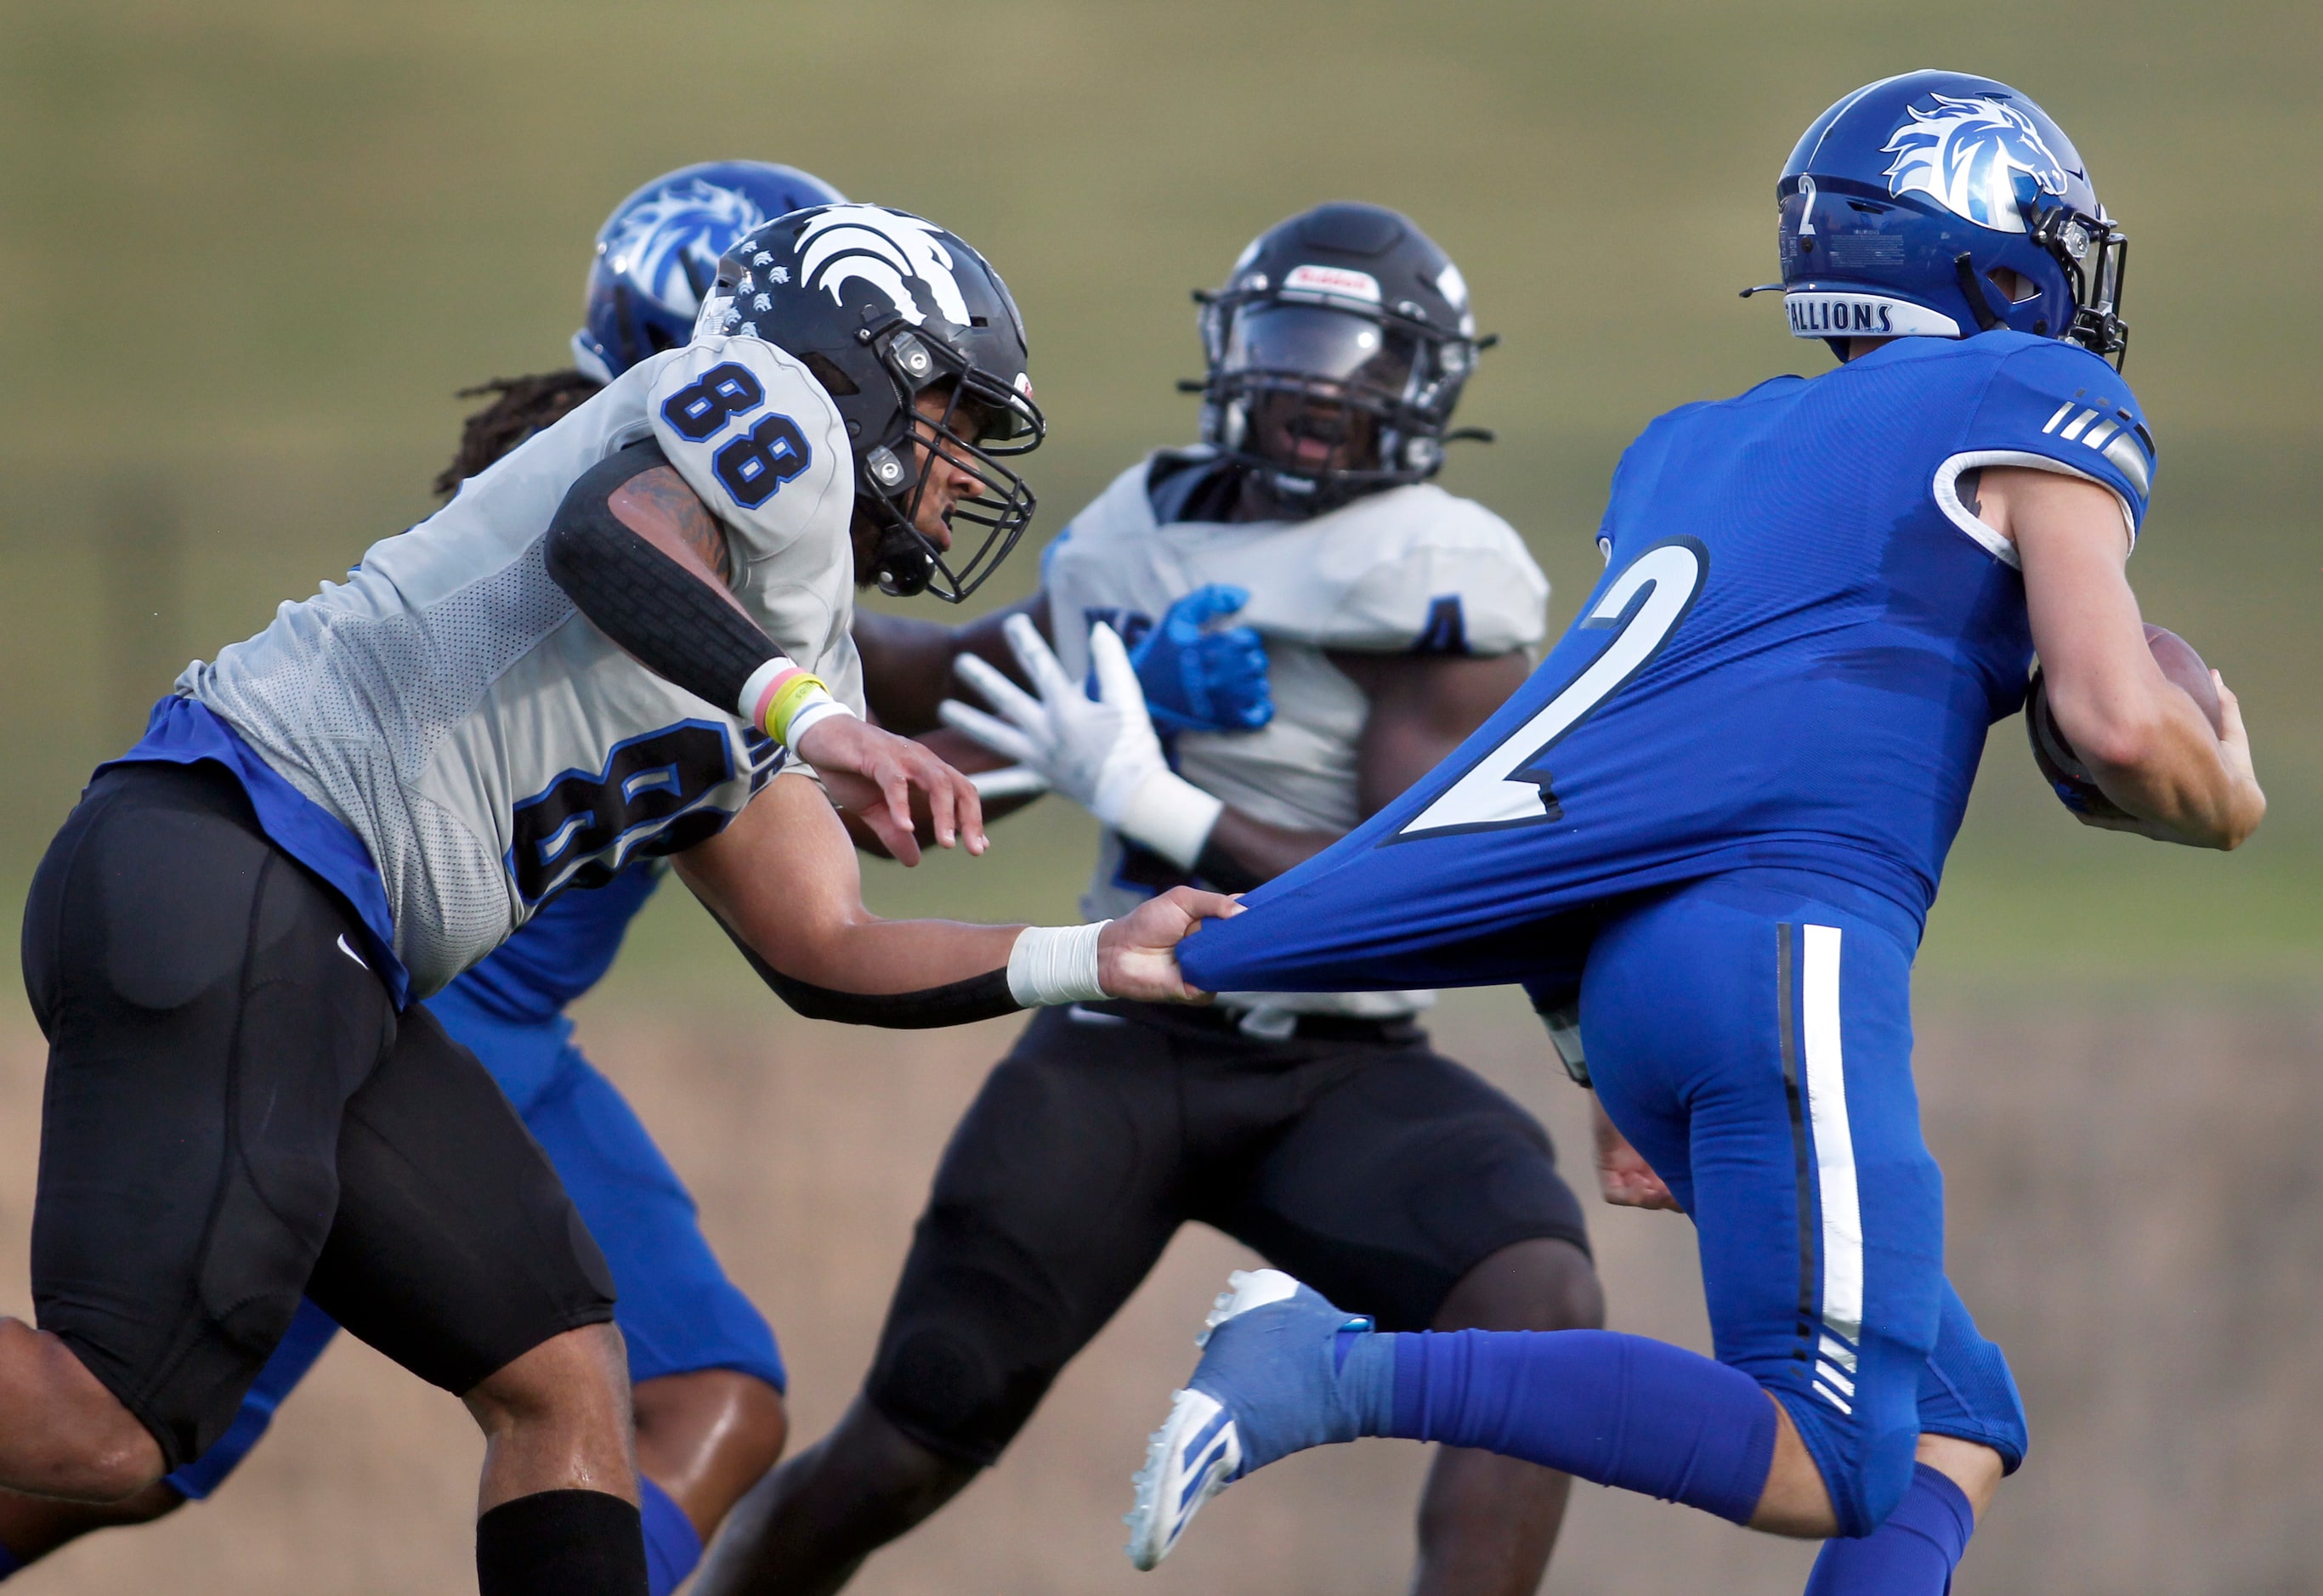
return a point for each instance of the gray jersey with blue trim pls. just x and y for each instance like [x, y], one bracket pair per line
[1411, 569]
[488, 744]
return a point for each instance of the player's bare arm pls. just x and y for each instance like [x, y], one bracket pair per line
[658, 507]
[784, 878]
[2146, 742]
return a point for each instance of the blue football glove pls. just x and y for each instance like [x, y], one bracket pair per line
[1198, 680]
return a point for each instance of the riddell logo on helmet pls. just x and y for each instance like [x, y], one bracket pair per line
[1335, 281]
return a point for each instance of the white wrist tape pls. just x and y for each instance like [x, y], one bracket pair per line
[1171, 816]
[811, 714]
[1054, 964]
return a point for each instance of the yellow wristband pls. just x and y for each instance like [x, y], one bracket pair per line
[791, 693]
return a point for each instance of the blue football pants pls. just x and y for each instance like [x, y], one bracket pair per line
[1751, 1035]
[677, 1311]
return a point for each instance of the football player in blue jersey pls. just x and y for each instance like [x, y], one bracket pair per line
[707, 1379]
[1379, 620]
[1719, 813]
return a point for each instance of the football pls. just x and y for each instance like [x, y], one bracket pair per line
[2062, 768]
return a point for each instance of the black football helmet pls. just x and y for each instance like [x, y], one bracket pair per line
[1344, 325]
[883, 307]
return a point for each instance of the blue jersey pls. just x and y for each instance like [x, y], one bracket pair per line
[1801, 637]
[561, 952]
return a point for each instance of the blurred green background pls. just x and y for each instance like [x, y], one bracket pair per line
[248, 252]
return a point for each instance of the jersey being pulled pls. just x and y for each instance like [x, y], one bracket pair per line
[487, 744]
[1800, 640]
[1412, 570]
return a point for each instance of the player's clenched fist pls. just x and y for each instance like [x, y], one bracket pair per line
[1137, 955]
[873, 773]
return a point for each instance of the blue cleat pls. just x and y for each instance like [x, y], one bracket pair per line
[1282, 1370]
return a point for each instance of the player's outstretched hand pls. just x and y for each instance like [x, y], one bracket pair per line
[1137, 955]
[873, 773]
[1623, 1175]
[1098, 752]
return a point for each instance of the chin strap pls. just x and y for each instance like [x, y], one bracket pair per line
[1972, 288]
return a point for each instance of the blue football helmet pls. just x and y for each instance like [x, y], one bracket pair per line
[1944, 204]
[657, 254]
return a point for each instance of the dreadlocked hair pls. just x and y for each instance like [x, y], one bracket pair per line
[524, 406]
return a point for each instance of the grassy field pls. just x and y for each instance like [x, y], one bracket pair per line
[2134, 1214]
[249, 253]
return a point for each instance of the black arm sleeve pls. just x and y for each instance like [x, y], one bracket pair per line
[979, 997]
[662, 613]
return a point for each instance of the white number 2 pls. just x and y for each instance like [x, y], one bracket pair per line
[1505, 788]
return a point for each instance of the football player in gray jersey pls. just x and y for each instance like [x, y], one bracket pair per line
[626, 639]
[1380, 619]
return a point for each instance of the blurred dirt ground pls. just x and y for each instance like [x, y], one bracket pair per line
[2135, 1214]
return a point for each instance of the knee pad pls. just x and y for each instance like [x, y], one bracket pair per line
[1867, 1467]
[1861, 1420]
[972, 1341]
[1969, 1393]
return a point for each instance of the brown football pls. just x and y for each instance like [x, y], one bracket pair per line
[2063, 769]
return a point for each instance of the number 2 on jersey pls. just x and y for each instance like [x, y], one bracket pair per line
[1508, 786]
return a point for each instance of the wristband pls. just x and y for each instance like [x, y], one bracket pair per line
[1054, 964]
[1171, 816]
[783, 699]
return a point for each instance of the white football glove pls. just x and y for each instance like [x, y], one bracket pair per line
[1101, 753]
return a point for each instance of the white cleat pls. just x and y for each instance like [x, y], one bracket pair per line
[1197, 1451]
[1188, 1460]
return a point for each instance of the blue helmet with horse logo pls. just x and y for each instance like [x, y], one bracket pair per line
[657, 254]
[1944, 204]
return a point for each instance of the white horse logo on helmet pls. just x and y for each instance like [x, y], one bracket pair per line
[1964, 155]
[884, 248]
[694, 220]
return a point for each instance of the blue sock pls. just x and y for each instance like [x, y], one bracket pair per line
[1913, 1553]
[8, 1564]
[1617, 1410]
[673, 1546]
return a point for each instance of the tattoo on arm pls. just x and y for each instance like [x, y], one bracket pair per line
[663, 498]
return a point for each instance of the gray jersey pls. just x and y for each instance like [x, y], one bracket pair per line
[487, 743]
[1411, 569]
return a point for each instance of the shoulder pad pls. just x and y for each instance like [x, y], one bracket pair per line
[757, 437]
[1412, 569]
[2055, 406]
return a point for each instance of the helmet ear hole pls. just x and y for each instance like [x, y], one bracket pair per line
[2015, 285]
[835, 381]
